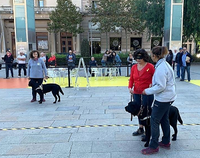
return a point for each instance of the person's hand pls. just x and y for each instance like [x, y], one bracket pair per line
[29, 78]
[46, 77]
[144, 92]
[130, 90]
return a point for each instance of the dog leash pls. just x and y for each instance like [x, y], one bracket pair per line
[131, 101]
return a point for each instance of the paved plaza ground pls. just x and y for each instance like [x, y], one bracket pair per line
[70, 129]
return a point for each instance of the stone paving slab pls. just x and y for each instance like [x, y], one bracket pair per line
[97, 106]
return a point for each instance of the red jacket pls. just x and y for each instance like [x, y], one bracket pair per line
[141, 79]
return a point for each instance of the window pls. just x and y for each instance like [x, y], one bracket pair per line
[40, 3]
[19, 1]
[136, 43]
[178, 1]
[156, 41]
[42, 40]
[115, 43]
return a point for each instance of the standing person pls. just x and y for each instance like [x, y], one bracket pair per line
[8, 59]
[110, 58]
[71, 60]
[118, 61]
[44, 58]
[140, 79]
[163, 88]
[130, 62]
[178, 62]
[186, 60]
[104, 58]
[21, 63]
[36, 71]
[169, 57]
[174, 58]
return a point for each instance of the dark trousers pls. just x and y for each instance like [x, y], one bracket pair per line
[160, 115]
[145, 100]
[22, 66]
[9, 66]
[34, 81]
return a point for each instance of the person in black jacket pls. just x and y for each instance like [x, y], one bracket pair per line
[178, 62]
[8, 59]
[169, 57]
[185, 62]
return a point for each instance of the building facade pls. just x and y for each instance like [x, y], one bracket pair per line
[64, 41]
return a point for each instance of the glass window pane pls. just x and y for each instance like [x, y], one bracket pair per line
[178, 1]
[41, 3]
[20, 23]
[19, 1]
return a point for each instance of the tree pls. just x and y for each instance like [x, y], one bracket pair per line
[128, 18]
[103, 14]
[85, 48]
[66, 17]
[152, 14]
[191, 20]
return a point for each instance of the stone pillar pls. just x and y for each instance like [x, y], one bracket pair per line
[24, 24]
[173, 26]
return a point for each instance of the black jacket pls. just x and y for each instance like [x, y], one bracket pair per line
[8, 60]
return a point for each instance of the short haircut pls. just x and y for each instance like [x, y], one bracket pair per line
[31, 54]
[160, 51]
[142, 53]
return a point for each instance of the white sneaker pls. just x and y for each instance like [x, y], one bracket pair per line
[19, 76]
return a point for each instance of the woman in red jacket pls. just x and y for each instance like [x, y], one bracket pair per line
[140, 79]
[52, 61]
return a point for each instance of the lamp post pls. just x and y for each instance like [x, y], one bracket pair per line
[91, 39]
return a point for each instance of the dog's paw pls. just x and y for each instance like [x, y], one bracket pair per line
[146, 144]
[174, 139]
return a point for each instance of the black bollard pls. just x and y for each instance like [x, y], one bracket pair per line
[69, 79]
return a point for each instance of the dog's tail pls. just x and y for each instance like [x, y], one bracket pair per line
[179, 118]
[61, 91]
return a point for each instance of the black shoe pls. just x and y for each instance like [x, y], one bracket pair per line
[181, 80]
[7, 78]
[140, 131]
[143, 138]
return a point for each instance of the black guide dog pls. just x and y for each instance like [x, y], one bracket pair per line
[45, 88]
[144, 115]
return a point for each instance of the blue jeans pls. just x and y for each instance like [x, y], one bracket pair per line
[178, 67]
[147, 100]
[119, 66]
[160, 115]
[187, 68]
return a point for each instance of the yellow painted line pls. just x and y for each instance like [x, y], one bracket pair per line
[86, 126]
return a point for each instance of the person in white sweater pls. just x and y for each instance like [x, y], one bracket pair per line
[163, 88]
